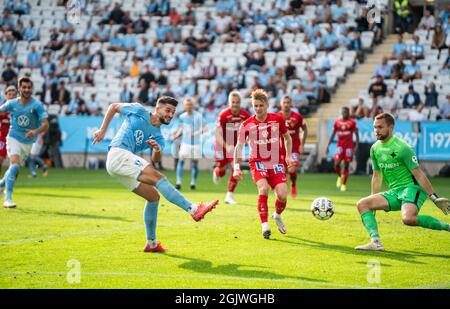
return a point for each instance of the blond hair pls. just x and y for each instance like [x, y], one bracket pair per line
[234, 94]
[261, 95]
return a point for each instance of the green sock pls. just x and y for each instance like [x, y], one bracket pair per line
[370, 224]
[432, 223]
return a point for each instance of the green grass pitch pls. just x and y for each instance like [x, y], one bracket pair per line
[86, 220]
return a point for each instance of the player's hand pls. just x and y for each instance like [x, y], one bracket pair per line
[443, 204]
[291, 165]
[237, 174]
[99, 135]
[30, 134]
[154, 144]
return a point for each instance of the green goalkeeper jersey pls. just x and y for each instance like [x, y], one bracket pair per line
[395, 159]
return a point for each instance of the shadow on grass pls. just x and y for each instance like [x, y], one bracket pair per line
[398, 256]
[59, 195]
[236, 270]
[74, 215]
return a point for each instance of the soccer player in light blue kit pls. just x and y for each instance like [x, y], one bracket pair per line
[28, 120]
[190, 132]
[140, 131]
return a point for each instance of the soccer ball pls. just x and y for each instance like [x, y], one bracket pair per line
[322, 208]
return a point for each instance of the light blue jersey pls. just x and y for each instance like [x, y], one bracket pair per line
[136, 129]
[24, 118]
[191, 123]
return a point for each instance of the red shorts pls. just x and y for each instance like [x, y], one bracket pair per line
[3, 153]
[274, 176]
[343, 153]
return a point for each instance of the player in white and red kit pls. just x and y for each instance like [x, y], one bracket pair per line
[296, 127]
[264, 133]
[5, 122]
[228, 124]
[346, 147]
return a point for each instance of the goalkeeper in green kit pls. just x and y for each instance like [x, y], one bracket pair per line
[394, 161]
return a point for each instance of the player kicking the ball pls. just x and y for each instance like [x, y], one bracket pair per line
[264, 132]
[294, 122]
[346, 147]
[140, 131]
[395, 161]
[228, 124]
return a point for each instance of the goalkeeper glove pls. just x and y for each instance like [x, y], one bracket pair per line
[441, 202]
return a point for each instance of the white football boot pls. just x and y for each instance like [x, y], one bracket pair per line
[9, 204]
[229, 199]
[279, 222]
[374, 245]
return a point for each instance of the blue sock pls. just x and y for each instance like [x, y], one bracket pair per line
[180, 171]
[32, 165]
[150, 218]
[41, 162]
[172, 195]
[11, 176]
[194, 172]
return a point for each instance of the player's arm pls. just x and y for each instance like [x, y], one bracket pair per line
[99, 135]
[377, 179]
[237, 156]
[156, 150]
[441, 202]
[43, 128]
[219, 137]
[331, 140]
[355, 148]
[303, 139]
[178, 133]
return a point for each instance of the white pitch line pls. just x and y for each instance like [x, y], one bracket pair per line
[434, 286]
[185, 276]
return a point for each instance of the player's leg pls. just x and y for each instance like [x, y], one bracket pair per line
[42, 164]
[10, 179]
[232, 183]
[179, 173]
[293, 175]
[151, 196]
[194, 173]
[151, 176]
[280, 204]
[366, 208]
[263, 191]
[32, 165]
[338, 157]
[344, 176]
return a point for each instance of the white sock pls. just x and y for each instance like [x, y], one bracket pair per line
[193, 209]
[265, 226]
[152, 243]
[229, 194]
[275, 215]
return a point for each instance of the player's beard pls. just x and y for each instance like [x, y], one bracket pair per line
[25, 95]
[163, 120]
[382, 137]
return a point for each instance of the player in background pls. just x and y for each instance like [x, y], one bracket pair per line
[5, 122]
[34, 157]
[228, 124]
[28, 120]
[264, 132]
[141, 131]
[395, 161]
[299, 132]
[190, 131]
[346, 147]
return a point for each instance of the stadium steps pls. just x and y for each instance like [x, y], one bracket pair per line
[357, 80]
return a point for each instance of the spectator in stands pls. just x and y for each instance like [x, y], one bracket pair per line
[339, 11]
[90, 32]
[444, 14]
[8, 46]
[362, 23]
[446, 66]
[330, 40]
[290, 70]
[116, 15]
[184, 59]
[224, 79]
[143, 97]
[140, 25]
[147, 75]
[62, 68]
[428, 22]
[135, 67]
[323, 13]
[389, 103]
[416, 49]
[153, 94]
[61, 95]
[34, 58]
[174, 33]
[126, 96]
[399, 48]
[300, 100]
[163, 7]
[9, 75]
[383, 69]
[207, 99]
[356, 45]
[307, 50]
[55, 42]
[412, 71]
[48, 94]
[83, 109]
[93, 106]
[171, 60]
[412, 99]
[129, 41]
[189, 15]
[431, 96]
[438, 41]
[97, 60]
[75, 104]
[238, 80]
[445, 109]
[402, 15]
[277, 44]
[378, 88]
[115, 42]
[84, 59]
[210, 71]
[6, 22]
[398, 69]
[360, 110]
[31, 33]
[152, 8]
[375, 108]
[102, 34]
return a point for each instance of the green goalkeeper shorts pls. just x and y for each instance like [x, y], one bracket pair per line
[412, 194]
